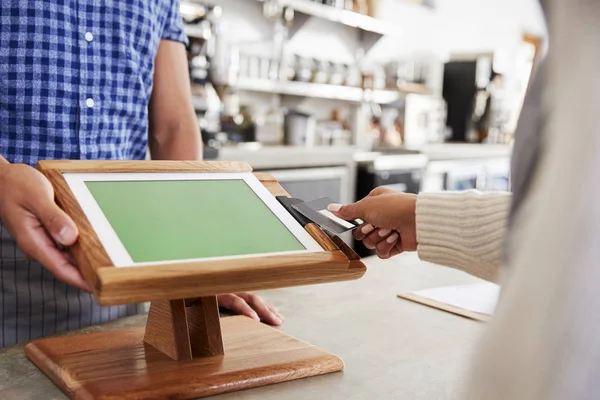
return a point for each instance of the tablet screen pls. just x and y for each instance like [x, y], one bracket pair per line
[158, 217]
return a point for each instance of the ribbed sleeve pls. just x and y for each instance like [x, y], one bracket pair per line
[463, 230]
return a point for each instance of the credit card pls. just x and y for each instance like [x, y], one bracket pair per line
[287, 203]
[316, 211]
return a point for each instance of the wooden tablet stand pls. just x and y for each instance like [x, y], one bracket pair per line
[185, 351]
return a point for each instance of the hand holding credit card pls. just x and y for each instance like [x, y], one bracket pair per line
[316, 211]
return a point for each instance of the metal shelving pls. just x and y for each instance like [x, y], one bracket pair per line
[371, 30]
[324, 91]
[304, 89]
[349, 18]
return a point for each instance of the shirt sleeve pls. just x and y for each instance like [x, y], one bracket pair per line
[173, 28]
[463, 230]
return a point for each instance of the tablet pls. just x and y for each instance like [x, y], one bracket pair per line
[167, 230]
[146, 218]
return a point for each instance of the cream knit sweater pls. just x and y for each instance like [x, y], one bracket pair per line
[463, 230]
[543, 342]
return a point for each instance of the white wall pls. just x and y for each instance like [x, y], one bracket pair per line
[466, 25]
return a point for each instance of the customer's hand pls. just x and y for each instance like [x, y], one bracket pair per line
[389, 217]
[39, 226]
[252, 306]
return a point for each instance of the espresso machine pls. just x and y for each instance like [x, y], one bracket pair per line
[201, 23]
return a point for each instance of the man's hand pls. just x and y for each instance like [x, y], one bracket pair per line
[28, 211]
[389, 217]
[252, 306]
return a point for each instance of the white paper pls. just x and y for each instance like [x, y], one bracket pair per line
[478, 297]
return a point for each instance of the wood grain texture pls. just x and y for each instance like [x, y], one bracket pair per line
[205, 327]
[117, 365]
[275, 188]
[266, 177]
[320, 237]
[185, 280]
[87, 250]
[142, 166]
[343, 246]
[445, 307]
[167, 329]
[185, 351]
[270, 182]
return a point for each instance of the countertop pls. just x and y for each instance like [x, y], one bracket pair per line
[461, 151]
[264, 158]
[392, 348]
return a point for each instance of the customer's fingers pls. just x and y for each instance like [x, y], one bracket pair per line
[362, 231]
[349, 211]
[372, 240]
[395, 250]
[385, 247]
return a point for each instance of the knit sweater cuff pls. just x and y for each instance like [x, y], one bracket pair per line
[463, 230]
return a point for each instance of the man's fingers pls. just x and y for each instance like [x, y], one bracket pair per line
[252, 306]
[276, 312]
[262, 309]
[60, 226]
[69, 258]
[38, 246]
[237, 305]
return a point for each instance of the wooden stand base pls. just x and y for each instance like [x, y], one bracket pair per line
[185, 351]
[119, 365]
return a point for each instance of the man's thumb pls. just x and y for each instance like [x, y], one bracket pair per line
[347, 212]
[57, 223]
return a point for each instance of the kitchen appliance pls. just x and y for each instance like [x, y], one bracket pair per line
[312, 183]
[299, 128]
[480, 174]
[201, 26]
[401, 172]
[462, 81]
[497, 175]
[209, 153]
[465, 177]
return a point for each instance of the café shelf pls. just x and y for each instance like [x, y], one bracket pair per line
[345, 17]
[326, 91]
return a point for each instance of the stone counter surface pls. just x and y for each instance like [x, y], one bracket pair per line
[392, 348]
[282, 157]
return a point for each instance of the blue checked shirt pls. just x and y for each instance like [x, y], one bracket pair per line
[76, 76]
[75, 82]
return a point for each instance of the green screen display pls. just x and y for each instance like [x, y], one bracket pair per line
[177, 220]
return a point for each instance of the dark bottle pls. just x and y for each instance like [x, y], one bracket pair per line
[247, 126]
